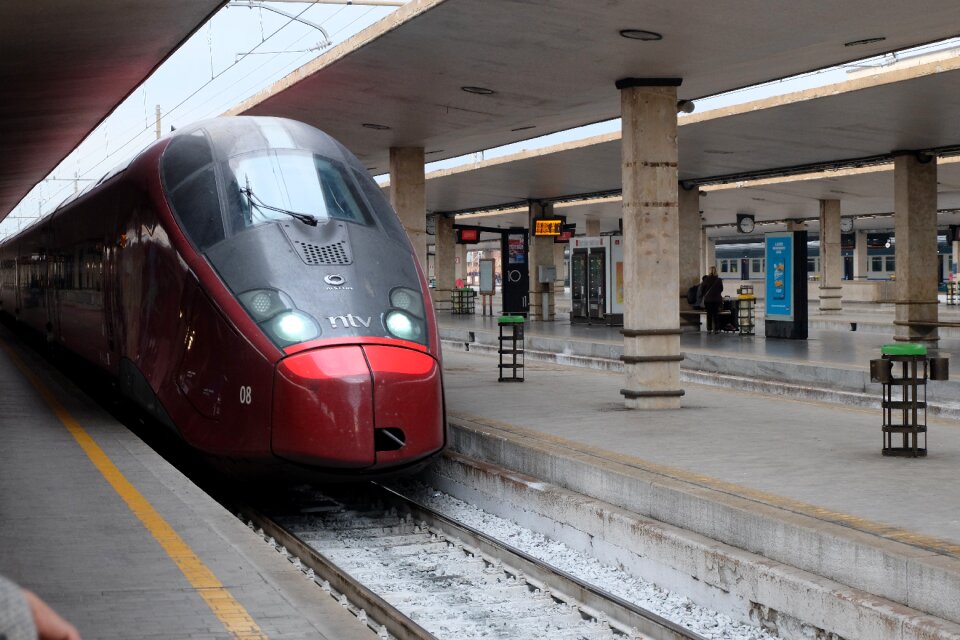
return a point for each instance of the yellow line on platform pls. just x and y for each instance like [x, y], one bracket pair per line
[223, 605]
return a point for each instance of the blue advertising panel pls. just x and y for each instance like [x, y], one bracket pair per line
[779, 253]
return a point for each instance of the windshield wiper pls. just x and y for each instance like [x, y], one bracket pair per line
[305, 218]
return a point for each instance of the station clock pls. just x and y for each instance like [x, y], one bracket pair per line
[745, 223]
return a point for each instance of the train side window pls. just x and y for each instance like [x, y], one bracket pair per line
[723, 266]
[197, 205]
[378, 203]
[734, 266]
[891, 263]
[876, 263]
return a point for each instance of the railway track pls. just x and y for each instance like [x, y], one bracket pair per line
[409, 572]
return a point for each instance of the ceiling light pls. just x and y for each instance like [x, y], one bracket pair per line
[857, 43]
[482, 91]
[529, 126]
[378, 127]
[640, 34]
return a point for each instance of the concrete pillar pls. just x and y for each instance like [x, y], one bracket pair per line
[861, 263]
[592, 228]
[651, 238]
[831, 260]
[709, 253]
[460, 255]
[561, 264]
[796, 225]
[408, 196]
[915, 229]
[541, 254]
[689, 216]
[444, 263]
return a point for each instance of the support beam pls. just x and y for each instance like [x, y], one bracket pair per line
[709, 253]
[861, 262]
[541, 255]
[915, 228]
[690, 232]
[651, 236]
[592, 228]
[444, 265]
[408, 196]
[831, 260]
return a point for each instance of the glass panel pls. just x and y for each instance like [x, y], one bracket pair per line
[891, 263]
[197, 207]
[876, 263]
[295, 181]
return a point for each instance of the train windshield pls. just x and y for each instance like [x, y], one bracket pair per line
[277, 184]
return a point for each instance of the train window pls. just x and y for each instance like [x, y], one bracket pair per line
[891, 262]
[876, 263]
[723, 266]
[282, 182]
[197, 206]
[381, 208]
[734, 266]
[185, 156]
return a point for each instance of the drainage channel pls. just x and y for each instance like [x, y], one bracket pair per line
[408, 571]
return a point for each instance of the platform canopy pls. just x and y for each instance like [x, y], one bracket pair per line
[552, 65]
[64, 66]
[862, 121]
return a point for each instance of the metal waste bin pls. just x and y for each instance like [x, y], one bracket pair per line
[903, 371]
[511, 348]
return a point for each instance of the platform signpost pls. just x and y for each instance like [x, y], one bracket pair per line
[786, 295]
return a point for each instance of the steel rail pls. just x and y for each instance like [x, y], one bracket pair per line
[564, 585]
[377, 609]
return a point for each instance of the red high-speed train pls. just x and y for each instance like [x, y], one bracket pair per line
[249, 286]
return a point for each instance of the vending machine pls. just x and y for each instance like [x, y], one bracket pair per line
[596, 280]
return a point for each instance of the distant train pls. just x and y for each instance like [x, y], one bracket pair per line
[746, 261]
[247, 283]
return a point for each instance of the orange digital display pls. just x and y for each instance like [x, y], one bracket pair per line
[547, 227]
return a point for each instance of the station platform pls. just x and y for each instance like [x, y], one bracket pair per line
[797, 481]
[119, 542]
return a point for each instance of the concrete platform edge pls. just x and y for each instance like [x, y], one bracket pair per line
[907, 575]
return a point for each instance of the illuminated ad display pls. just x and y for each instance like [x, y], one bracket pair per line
[779, 253]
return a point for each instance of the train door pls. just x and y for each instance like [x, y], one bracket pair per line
[744, 268]
[579, 311]
[596, 283]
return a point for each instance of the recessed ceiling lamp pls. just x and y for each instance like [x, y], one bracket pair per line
[481, 91]
[640, 34]
[529, 126]
[857, 43]
[373, 125]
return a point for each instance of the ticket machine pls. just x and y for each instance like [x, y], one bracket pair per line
[596, 280]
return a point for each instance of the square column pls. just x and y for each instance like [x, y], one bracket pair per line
[651, 239]
[541, 254]
[709, 253]
[831, 260]
[408, 196]
[915, 229]
[861, 263]
[592, 228]
[444, 264]
[690, 232]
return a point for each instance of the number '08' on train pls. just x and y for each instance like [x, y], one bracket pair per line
[247, 284]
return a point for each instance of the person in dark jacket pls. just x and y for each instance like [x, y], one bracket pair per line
[711, 293]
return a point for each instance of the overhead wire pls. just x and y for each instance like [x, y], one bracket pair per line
[146, 128]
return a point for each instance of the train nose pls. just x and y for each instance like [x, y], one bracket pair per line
[357, 406]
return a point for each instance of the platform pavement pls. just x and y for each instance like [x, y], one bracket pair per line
[831, 365]
[801, 482]
[66, 534]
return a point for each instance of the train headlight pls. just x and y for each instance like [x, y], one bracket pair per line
[408, 300]
[403, 325]
[263, 304]
[291, 327]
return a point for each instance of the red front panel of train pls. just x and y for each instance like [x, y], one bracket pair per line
[329, 402]
[408, 395]
[323, 409]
